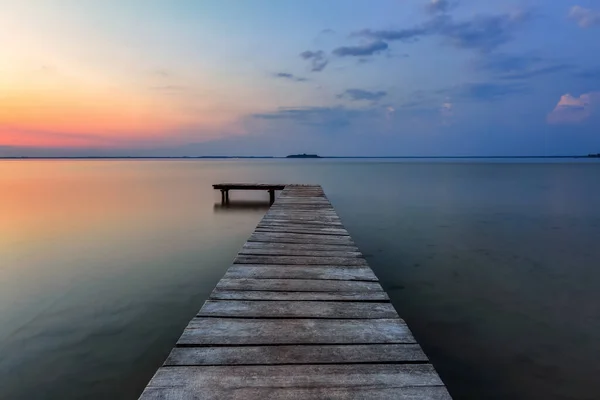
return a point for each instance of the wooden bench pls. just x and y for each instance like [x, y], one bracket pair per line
[226, 187]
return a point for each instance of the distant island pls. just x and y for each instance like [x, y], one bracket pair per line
[594, 155]
[303, 156]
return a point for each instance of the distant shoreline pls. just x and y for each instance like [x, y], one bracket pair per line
[287, 157]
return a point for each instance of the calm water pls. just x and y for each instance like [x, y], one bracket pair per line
[495, 266]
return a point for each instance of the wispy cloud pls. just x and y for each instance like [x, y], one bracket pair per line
[330, 117]
[484, 91]
[169, 88]
[502, 63]
[360, 94]
[584, 17]
[483, 32]
[290, 77]
[519, 67]
[162, 73]
[361, 50]
[405, 35]
[439, 6]
[536, 72]
[572, 110]
[317, 58]
[590, 73]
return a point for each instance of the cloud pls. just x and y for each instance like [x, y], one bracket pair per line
[162, 73]
[360, 94]
[405, 35]
[169, 88]
[533, 73]
[318, 59]
[439, 6]
[584, 17]
[327, 31]
[330, 117]
[483, 32]
[291, 77]
[447, 112]
[519, 67]
[361, 50]
[573, 110]
[484, 91]
[591, 73]
[447, 109]
[507, 63]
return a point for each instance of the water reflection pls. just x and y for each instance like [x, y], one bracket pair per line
[242, 205]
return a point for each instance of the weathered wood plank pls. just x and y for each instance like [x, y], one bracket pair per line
[295, 354]
[298, 376]
[298, 252]
[284, 229]
[298, 285]
[299, 260]
[299, 238]
[247, 331]
[221, 294]
[306, 226]
[267, 220]
[299, 215]
[249, 186]
[300, 246]
[271, 393]
[304, 216]
[297, 309]
[251, 271]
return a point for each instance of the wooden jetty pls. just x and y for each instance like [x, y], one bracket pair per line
[226, 187]
[299, 315]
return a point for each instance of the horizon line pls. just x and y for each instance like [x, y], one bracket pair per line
[286, 157]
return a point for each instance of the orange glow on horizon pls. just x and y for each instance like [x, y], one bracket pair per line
[83, 114]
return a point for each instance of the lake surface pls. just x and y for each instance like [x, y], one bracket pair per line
[495, 265]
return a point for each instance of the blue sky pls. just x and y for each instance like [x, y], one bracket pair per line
[372, 78]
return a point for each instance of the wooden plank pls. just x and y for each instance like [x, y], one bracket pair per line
[309, 223]
[304, 218]
[268, 220]
[323, 209]
[287, 229]
[248, 186]
[298, 260]
[245, 271]
[298, 252]
[296, 309]
[299, 246]
[271, 393]
[303, 207]
[248, 331]
[293, 225]
[295, 354]
[298, 285]
[298, 376]
[221, 294]
[300, 238]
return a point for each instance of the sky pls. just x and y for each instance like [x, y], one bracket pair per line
[276, 77]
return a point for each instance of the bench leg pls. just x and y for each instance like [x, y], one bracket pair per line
[222, 196]
[227, 197]
[271, 196]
